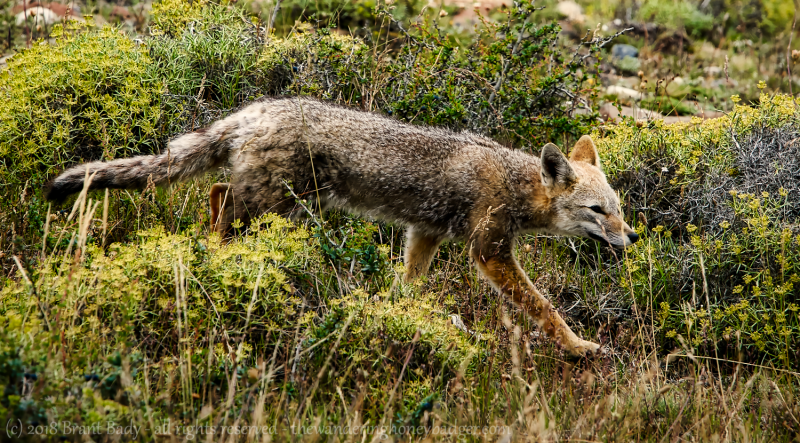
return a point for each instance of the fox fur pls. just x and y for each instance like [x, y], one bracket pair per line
[442, 185]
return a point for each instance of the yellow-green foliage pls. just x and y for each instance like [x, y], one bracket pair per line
[777, 15]
[401, 318]
[88, 92]
[137, 281]
[719, 287]
[171, 16]
[691, 144]
[177, 288]
[331, 53]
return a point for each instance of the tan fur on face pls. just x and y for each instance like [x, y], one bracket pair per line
[573, 213]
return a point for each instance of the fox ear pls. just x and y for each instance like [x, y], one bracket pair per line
[557, 173]
[585, 151]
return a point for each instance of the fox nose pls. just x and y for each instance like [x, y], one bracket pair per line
[633, 237]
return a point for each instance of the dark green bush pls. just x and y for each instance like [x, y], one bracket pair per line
[513, 81]
[212, 59]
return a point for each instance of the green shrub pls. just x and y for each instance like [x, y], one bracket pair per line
[319, 63]
[213, 58]
[512, 82]
[720, 257]
[676, 15]
[171, 17]
[88, 95]
[221, 307]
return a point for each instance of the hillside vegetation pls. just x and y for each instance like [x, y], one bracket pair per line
[122, 318]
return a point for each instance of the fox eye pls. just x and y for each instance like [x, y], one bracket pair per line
[597, 209]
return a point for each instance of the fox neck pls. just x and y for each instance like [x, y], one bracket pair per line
[532, 209]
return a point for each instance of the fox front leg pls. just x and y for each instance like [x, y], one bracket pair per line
[496, 261]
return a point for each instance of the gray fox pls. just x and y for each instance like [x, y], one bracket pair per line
[441, 184]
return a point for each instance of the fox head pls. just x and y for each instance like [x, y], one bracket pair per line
[583, 202]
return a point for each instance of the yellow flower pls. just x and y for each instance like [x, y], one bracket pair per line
[735, 98]
[727, 333]
[691, 228]
[725, 225]
[658, 228]
[671, 334]
[761, 85]
[783, 192]
[738, 289]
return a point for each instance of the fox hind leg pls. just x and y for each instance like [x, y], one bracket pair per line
[420, 249]
[244, 202]
[227, 206]
[217, 198]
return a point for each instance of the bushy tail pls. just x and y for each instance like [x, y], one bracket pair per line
[186, 156]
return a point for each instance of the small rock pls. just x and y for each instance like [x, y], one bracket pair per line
[625, 93]
[37, 16]
[620, 51]
[571, 10]
[712, 71]
[609, 112]
[722, 83]
[628, 81]
[709, 114]
[4, 61]
[640, 113]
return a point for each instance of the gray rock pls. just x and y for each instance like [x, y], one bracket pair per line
[621, 51]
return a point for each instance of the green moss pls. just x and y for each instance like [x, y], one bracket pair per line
[676, 15]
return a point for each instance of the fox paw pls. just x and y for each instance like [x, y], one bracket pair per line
[584, 348]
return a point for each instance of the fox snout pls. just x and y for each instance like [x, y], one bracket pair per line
[612, 231]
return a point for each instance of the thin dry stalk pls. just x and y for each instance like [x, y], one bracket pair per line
[46, 231]
[105, 217]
